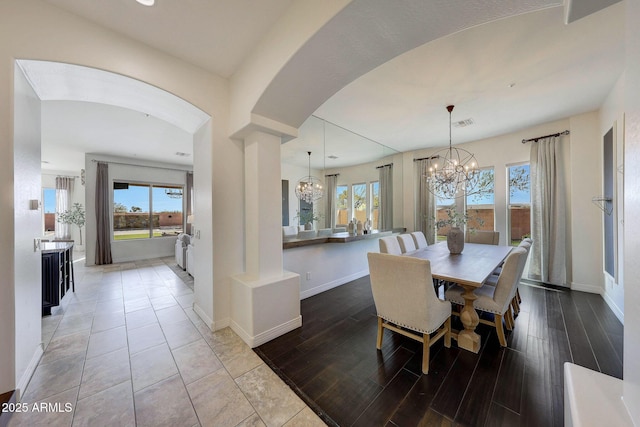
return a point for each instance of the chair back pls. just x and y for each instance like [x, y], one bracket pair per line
[406, 243]
[403, 292]
[482, 236]
[389, 245]
[510, 277]
[419, 239]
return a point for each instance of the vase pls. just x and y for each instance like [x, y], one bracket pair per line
[308, 226]
[455, 240]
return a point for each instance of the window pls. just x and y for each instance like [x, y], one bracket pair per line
[442, 205]
[342, 204]
[49, 211]
[143, 211]
[360, 202]
[481, 205]
[375, 204]
[519, 205]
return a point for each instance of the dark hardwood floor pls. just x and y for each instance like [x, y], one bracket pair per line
[333, 364]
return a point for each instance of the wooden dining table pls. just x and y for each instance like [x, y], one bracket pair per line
[469, 269]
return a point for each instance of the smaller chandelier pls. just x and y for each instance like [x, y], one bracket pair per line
[309, 188]
[454, 172]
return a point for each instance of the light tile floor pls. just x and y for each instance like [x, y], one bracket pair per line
[127, 349]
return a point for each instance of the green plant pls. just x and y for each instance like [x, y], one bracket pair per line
[74, 216]
[457, 219]
[308, 216]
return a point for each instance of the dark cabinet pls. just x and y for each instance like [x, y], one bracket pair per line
[57, 273]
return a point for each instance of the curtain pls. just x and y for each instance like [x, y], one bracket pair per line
[64, 191]
[547, 262]
[103, 224]
[330, 201]
[424, 201]
[189, 201]
[386, 197]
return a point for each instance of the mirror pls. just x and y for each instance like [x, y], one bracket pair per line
[354, 162]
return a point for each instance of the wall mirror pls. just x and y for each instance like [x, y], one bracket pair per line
[349, 166]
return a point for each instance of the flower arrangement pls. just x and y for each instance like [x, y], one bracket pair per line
[457, 219]
[308, 216]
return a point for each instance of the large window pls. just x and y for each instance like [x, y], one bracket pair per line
[375, 204]
[143, 211]
[481, 204]
[360, 202]
[49, 211]
[442, 206]
[342, 204]
[519, 206]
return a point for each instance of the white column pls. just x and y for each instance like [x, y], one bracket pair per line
[263, 210]
[265, 300]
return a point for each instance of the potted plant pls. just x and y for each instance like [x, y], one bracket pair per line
[456, 220]
[307, 217]
[74, 216]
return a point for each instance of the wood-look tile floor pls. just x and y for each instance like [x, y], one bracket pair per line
[333, 364]
[127, 349]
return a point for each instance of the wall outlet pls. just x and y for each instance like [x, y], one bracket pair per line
[308, 275]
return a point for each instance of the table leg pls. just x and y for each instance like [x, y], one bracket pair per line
[468, 338]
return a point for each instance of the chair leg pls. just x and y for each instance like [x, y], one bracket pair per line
[515, 306]
[500, 330]
[508, 319]
[380, 334]
[447, 335]
[518, 296]
[425, 353]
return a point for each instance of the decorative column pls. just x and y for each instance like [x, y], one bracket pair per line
[265, 299]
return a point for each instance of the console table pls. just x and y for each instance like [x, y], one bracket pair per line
[57, 273]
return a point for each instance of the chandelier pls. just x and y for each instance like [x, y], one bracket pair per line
[454, 172]
[309, 188]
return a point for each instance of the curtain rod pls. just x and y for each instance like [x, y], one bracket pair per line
[566, 132]
[384, 166]
[61, 176]
[141, 166]
[426, 158]
[334, 174]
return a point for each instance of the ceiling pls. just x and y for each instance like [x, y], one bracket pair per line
[506, 75]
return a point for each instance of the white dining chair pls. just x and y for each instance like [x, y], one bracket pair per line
[407, 245]
[496, 299]
[406, 302]
[419, 239]
[389, 245]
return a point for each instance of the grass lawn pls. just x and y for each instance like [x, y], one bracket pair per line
[136, 236]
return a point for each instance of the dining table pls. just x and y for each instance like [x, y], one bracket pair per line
[470, 269]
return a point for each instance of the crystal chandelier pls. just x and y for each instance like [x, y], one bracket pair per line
[454, 172]
[309, 188]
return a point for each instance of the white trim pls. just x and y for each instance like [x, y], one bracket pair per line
[221, 324]
[29, 371]
[612, 305]
[333, 284]
[200, 312]
[266, 336]
[592, 289]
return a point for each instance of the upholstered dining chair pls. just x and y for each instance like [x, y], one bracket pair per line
[419, 239]
[483, 236]
[515, 302]
[406, 243]
[406, 302]
[496, 299]
[389, 245]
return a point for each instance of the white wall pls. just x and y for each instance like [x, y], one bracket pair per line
[27, 281]
[33, 29]
[128, 250]
[632, 212]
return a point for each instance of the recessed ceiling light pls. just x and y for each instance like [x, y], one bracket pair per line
[181, 154]
[146, 2]
[463, 123]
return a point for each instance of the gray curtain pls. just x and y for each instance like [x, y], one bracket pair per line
[330, 201]
[64, 191]
[424, 201]
[189, 200]
[547, 262]
[103, 225]
[386, 197]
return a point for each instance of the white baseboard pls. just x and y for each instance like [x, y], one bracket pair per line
[592, 289]
[612, 305]
[333, 284]
[28, 373]
[207, 321]
[222, 323]
[266, 336]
